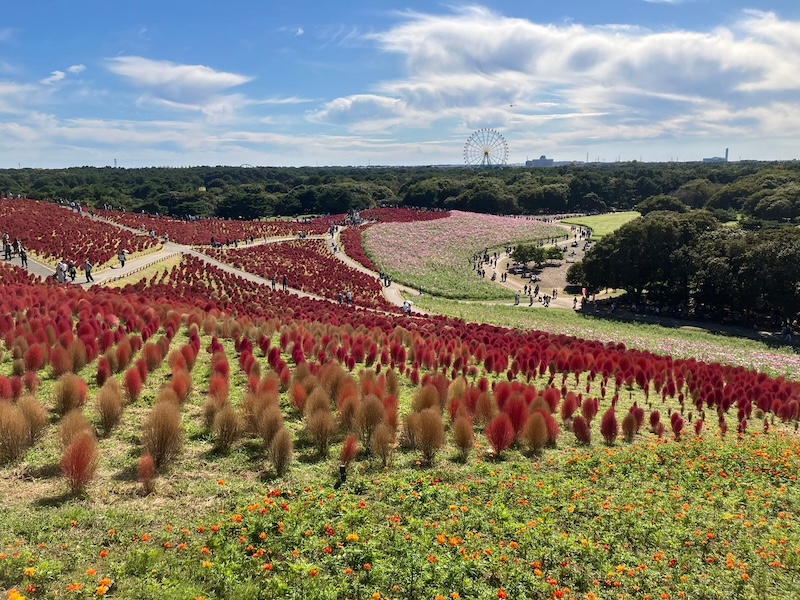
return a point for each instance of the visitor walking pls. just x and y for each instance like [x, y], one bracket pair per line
[88, 268]
[23, 255]
[285, 283]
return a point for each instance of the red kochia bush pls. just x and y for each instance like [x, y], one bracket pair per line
[103, 370]
[133, 384]
[609, 427]
[349, 450]
[35, 357]
[181, 384]
[500, 433]
[582, 431]
[79, 461]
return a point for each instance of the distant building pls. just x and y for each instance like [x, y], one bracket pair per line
[717, 159]
[542, 161]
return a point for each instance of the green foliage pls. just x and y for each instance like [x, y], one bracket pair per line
[661, 202]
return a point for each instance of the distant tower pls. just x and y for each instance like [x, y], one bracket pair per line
[726, 154]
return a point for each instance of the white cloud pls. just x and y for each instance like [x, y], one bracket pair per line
[177, 82]
[55, 77]
[476, 67]
[77, 69]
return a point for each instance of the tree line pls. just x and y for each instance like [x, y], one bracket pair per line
[757, 190]
[691, 260]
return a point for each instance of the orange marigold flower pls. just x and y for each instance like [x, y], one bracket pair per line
[352, 537]
[313, 572]
[30, 571]
[502, 594]
[91, 572]
[207, 564]
[432, 559]
[101, 590]
[367, 567]
[103, 553]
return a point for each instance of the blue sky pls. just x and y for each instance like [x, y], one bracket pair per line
[358, 82]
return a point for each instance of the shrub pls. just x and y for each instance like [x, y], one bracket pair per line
[6, 393]
[318, 400]
[582, 431]
[103, 371]
[18, 367]
[109, 405]
[79, 461]
[485, 407]
[133, 384]
[408, 439]
[298, 396]
[268, 422]
[426, 397]
[31, 381]
[72, 424]
[147, 474]
[218, 388]
[60, 361]
[569, 406]
[517, 412]
[369, 414]
[349, 450]
[14, 432]
[163, 437]
[320, 428]
[463, 435]
[534, 435]
[69, 393]
[629, 427]
[347, 411]
[382, 442]
[430, 433]
[152, 356]
[181, 384]
[36, 416]
[210, 410]
[280, 451]
[500, 433]
[589, 409]
[226, 427]
[609, 428]
[392, 383]
[77, 355]
[34, 358]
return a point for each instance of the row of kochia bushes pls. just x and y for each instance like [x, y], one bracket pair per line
[325, 398]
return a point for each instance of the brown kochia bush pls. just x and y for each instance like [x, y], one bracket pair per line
[210, 409]
[320, 428]
[369, 414]
[392, 383]
[280, 451]
[268, 422]
[408, 439]
[226, 427]
[485, 407]
[163, 436]
[582, 431]
[535, 435]
[426, 397]
[79, 461]
[69, 393]
[430, 433]
[73, 424]
[147, 474]
[317, 400]
[463, 435]
[382, 442]
[36, 415]
[109, 405]
[14, 432]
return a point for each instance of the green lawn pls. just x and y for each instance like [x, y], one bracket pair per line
[602, 225]
[686, 342]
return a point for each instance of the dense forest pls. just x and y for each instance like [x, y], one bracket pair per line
[764, 191]
[690, 264]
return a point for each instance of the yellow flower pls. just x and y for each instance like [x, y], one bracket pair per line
[206, 564]
[352, 537]
[30, 571]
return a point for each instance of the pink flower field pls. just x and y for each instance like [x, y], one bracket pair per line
[435, 255]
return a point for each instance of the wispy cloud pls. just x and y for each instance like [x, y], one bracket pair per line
[58, 75]
[174, 81]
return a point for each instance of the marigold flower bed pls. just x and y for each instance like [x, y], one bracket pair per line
[435, 255]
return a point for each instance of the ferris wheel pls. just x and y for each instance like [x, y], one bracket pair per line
[486, 148]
